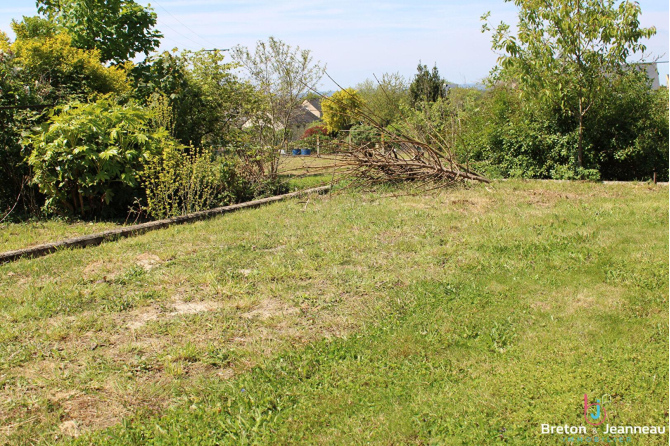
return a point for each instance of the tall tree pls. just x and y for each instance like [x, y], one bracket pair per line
[567, 51]
[119, 29]
[427, 86]
[341, 110]
[284, 75]
[59, 70]
[384, 96]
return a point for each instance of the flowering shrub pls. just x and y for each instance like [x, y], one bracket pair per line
[314, 131]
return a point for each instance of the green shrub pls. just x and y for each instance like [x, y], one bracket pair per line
[364, 134]
[250, 172]
[625, 135]
[181, 180]
[87, 158]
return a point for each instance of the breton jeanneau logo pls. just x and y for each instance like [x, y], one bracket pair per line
[594, 413]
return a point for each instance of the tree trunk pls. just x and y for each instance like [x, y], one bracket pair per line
[580, 146]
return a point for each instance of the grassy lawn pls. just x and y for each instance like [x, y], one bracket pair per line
[470, 316]
[22, 235]
[300, 165]
[303, 172]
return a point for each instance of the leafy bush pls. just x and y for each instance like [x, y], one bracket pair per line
[342, 110]
[90, 155]
[180, 180]
[628, 130]
[364, 134]
[39, 69]
[51, 62]
[311, 132]
[625, 134]
[255, 173]
[209, 102]
[13, 122]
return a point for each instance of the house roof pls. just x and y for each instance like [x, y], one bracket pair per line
[316, 103]
[304, 116]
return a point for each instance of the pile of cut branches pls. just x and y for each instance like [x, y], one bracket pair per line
[418, 154]
[403, 160]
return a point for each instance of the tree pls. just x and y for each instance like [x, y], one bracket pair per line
[427, 86]
[226, 100]
[207, 100]
[384, 97]
[284, 76]
[566, 52]
[341, 110]
[57, 69]
[119, 29]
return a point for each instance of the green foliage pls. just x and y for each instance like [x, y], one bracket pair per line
[625, 137]
[41, 68]
[225, 101]
[628, 130]
[514, 140]
[566, 52]
[364, 134]
[209, 102]
[34, 28]
[14, 173]
[118, 29]
[384, 98]
[283, 76]
[253, 174]
[341, 110]
[4, 42]
[179, 181]
[427, 86]
[59, 70]
[89, 156]
[432, 122]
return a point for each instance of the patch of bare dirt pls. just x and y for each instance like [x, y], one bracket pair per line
[87, 411]
[97, 269]
[472, 204]
[140, 316]
[275, 249]
[270, 308]
[546, 198]
[148, 261]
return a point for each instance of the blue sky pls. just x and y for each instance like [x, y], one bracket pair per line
[356, 39]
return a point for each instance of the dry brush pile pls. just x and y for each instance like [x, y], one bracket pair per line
[417, 153]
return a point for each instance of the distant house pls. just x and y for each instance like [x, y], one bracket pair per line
[314, 107]
[307, 113]
[651, 68]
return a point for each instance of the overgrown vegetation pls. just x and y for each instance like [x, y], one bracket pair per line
[81, 137]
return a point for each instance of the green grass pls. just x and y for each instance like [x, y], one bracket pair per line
[309, 181]
[304, 172]
[471, 316]
[22, 235]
